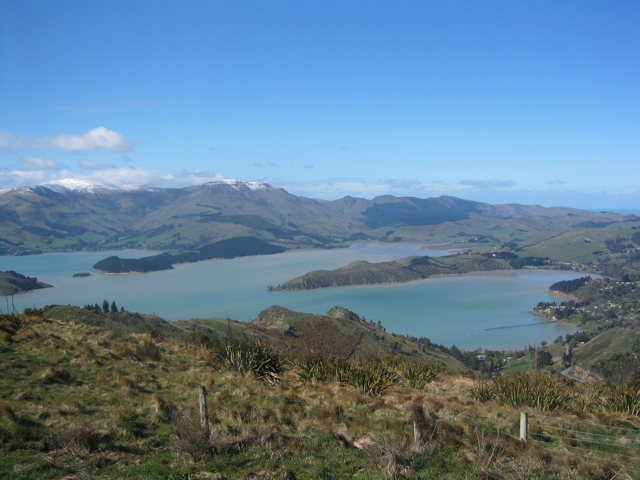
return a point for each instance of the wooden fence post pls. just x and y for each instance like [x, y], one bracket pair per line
[204, 411]
[524, 426]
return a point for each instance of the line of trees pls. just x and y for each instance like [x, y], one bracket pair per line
[568, 286]
[106, 307]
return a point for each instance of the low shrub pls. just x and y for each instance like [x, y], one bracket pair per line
[190, 439]
[147, 350]
[6, 411]
[81, 438]
[10, 323]
[56, 375]
[388, 453]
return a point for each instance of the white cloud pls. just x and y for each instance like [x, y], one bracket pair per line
[38, 163]
[488, 183]
[128, 175]
[97, 139]
[333, 188]
[18, 178]
[186, 178]
[89, 164]
[10, 140]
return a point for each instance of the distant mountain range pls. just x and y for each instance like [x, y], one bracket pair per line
[73, 215]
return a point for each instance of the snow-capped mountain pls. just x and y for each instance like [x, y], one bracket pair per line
[86, 186]
[74, 214]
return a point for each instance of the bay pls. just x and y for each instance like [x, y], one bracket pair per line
[468, 311]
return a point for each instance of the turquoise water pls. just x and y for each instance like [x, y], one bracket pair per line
[448, 310]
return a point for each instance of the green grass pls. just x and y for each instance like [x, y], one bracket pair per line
[523, 364]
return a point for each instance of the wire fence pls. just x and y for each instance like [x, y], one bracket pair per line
[594, 443]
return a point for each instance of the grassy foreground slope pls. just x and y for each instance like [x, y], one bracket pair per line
[114, 395]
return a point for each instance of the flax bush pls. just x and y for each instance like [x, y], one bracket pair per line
[624, 399]
[368, 378]
[540, 391]
[318, 368]
[483, 392]
[249, 357]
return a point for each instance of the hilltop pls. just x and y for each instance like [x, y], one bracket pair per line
[88, 393]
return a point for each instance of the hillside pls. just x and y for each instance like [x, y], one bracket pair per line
[89, 394]
[224, 249]
[66, 215]
[12, 283]
[607, 311]
[339, 333]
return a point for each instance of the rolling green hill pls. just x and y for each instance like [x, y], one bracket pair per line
[58, 218]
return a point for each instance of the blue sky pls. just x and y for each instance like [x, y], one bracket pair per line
[496, 101]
